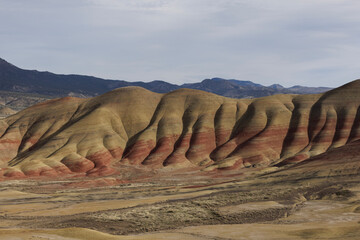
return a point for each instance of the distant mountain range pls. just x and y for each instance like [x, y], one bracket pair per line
[15, 79]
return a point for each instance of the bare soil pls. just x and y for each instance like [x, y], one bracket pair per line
[221, 207]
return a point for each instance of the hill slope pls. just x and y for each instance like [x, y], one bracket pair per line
[5, 111]
[184, 128]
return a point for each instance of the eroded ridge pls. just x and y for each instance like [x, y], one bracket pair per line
[185, 128]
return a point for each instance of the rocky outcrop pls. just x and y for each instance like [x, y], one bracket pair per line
[184, 128]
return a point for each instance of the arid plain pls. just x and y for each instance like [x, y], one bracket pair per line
[183, 165]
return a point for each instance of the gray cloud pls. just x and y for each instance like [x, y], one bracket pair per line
[288, 42]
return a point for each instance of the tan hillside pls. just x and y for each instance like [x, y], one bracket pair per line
[185, 128]
[6, 111]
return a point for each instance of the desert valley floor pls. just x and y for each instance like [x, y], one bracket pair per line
[280, 204]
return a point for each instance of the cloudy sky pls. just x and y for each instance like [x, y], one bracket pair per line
[307, 42]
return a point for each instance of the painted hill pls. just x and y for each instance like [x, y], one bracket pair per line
[14, 79]
[133, 127]
[336, 162]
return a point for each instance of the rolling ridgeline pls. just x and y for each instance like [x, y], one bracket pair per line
[185, 128]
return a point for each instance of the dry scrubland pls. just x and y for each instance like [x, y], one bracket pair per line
[285, 204]
[183, 165]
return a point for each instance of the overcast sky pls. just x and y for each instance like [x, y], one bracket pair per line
[305, 42]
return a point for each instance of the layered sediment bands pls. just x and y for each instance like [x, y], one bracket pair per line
[185, 128]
